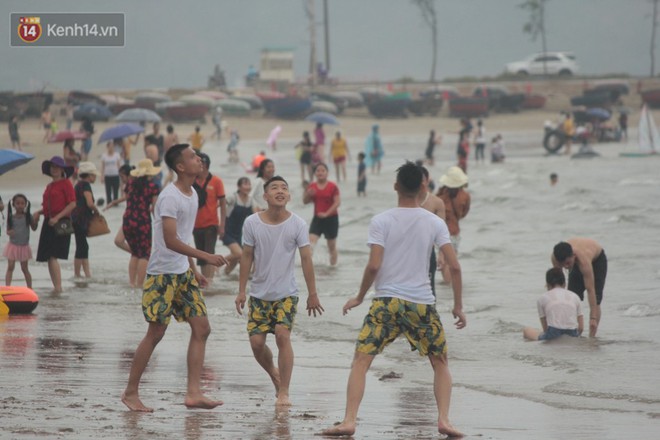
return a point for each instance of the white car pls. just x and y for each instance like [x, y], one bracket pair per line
[557, 63]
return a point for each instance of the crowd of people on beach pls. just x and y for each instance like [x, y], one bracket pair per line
[176, 211]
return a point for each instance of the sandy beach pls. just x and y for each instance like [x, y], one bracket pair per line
[65, 366]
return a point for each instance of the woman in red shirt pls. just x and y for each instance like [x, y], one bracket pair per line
[325, 196]
[59, 200]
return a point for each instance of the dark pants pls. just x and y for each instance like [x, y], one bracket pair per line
[82, 247]
[479, 151]
[111, 188]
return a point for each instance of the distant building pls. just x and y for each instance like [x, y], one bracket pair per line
[277, 65]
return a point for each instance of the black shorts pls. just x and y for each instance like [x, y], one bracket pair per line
[205, 239]
[576, 280]
[328, 226]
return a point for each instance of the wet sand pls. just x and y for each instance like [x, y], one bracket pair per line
[65, 366]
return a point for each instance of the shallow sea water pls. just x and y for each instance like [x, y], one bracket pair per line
[65, 366]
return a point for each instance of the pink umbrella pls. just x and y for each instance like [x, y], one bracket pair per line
[272, 137]
[66, 135]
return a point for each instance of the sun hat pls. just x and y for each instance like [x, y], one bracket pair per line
[454, 178]
[58, 162]
[87, 168]
[145, 167]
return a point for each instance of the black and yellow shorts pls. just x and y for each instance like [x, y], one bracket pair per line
[389, 317]
[172, 294]
[265, 315]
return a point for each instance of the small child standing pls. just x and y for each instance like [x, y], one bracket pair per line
[18, 230]
[560, 310]
[232, 148]
[362, 176]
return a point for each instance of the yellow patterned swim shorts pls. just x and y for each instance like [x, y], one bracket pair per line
[172, 294]
[265, 315]
[389, 317]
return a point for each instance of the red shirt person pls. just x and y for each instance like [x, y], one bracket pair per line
[325, 195]
[59, 200]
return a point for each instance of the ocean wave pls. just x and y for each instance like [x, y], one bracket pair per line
[481, 251]
[504, 327]
[560, 405]
[623, 218]
[546, 362]
[639, 182]
[641, 311]
[562, 388]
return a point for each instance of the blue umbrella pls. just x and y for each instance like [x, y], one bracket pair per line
[599, 113]
[322, 118]
[138, 115]
[120, 131]
[10, 159]
[93, 111]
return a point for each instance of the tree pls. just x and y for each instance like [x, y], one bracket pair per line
[430, 16]
[536, 24]
[654, 23]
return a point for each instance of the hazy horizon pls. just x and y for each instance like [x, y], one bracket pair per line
[171, 45]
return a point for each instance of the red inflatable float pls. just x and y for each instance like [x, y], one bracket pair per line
[17, 300]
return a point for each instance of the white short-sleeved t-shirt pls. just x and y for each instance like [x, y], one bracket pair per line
[408, 236]
[275, 249]
[257, 193]
[560, 308]
[172, 203]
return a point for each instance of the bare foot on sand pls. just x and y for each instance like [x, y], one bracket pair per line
[341, 430]
[201, 402]
[282, 400]
[448, 430]
[134, 403]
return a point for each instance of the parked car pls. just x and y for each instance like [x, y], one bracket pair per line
[557, 63]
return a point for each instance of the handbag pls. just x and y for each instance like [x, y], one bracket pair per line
[63, 227]
[97, 226]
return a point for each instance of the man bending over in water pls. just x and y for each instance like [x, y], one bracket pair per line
[587, 264]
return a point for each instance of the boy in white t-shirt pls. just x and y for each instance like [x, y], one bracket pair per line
[560, 310]
[173, 282]
[270, 240]
[400, 241]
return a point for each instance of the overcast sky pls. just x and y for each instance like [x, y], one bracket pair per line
[171, 43]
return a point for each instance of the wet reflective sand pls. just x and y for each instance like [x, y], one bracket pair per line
[64, 368]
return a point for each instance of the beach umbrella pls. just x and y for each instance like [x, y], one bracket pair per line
[65, 135]
[272, 137]
[92, 111]
[322, 118]
[599, 113]
[138, 115]
[10, 159]
[120, 131]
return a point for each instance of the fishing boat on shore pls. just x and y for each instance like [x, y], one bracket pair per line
[389, 106]
[289, 107]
